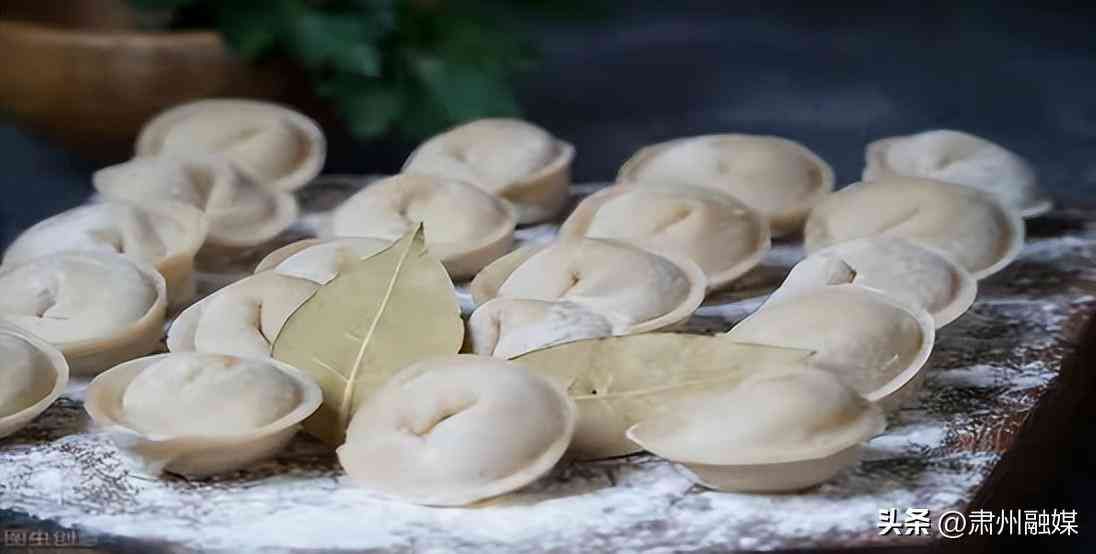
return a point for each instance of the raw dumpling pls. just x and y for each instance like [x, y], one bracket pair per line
[509, 327]
[166, 236]
[632, 290]
[453, 430]
[242, 319]
[875, 343]
[277, 148]
[508, 158]
[98, 308]
[320, 260]
[719, 233]
[32, 375]
[465, 227]
[970, 227]
[774, 432]
[201, 414]
[961, 158]
[780, 179]
[899, 268]
[240, 212]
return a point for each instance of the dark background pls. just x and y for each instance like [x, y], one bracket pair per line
[831, 75]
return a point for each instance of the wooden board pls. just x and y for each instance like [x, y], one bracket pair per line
[986, 414]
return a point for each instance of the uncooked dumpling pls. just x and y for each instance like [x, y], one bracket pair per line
[33, 373]
[969, 226]
[240, 212]
[719, 233]
[509, 327]
[320, 260]
[97, 308]
[201, 414]
[242, 319]
[465, 227]
[875, 343]
[453, 430]
[166, 236]
[774, 432]
[897, 267]
[961, 158]
[277, 148]
[780, 179]
[631, 289]
[509, 158]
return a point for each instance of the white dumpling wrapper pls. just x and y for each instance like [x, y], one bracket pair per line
[33, 373]
[240, 213]
[242, 319]
[722, 235]
[245, 317]
[780, 179]
[466, 228]
[962, 158]
[216, 413]
[276, 147]
[969, 226]
[98, 308]
[899, 268]
[773, 432]
[509, 158]
[510, 327]
[631, 289]
[453, 430]
[875, 343]
[166, 236]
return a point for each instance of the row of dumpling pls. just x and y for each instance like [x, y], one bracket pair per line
[91, 287]
[575, 288]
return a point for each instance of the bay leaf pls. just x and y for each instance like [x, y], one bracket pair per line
[619, 381]
[375, 317]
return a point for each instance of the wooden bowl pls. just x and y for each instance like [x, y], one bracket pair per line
[91, 89]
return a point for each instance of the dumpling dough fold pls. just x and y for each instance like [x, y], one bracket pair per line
[509, 158]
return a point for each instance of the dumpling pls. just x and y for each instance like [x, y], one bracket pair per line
[245, 317]
[98, 308]
[201, 414]
[242, 319]
[961, 158]
[166, 236]
[240, 213]
[510, 327]
[719, 233]
[780, 179]
[873, 342]
[631, 289]
[774, 432]
[32, 375]
[509, 158]
[320, 260]
[277, 148]
[897, 267]
[453, 430]
[465, 227]
[970, 227]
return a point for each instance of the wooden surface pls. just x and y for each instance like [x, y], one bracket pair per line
[984, 432]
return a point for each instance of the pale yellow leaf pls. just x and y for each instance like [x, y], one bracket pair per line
[619, 381]
[374, 318]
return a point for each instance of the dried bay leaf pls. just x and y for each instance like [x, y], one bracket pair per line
[374, 318]
[619, 381]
